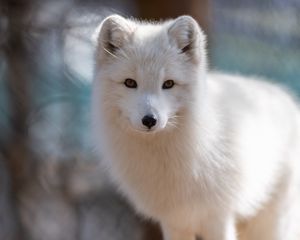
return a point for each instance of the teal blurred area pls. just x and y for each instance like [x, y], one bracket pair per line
[260, 38]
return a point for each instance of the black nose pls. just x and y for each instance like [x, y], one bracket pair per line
[149, 121]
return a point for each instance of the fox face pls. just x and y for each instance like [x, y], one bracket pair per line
[148, 73]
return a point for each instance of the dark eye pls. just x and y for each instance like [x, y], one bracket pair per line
[130, 83]
[168, 84]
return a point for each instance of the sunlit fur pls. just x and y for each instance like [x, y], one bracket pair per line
[221, 160]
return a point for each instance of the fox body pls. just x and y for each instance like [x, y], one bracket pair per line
[203, 153]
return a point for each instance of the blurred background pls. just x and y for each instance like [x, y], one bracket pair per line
[52, 186]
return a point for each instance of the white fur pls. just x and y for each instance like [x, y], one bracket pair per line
[221, 160]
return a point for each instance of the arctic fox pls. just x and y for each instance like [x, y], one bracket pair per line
[205, 154]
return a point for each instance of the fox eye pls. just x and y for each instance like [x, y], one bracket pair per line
[168, 84]
[130, 83]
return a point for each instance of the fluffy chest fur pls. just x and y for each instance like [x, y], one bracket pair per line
[166, 172]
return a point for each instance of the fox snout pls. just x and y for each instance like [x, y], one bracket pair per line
[149, 121]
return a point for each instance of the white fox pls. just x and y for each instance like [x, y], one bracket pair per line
[205, 154]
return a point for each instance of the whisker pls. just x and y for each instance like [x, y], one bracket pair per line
[173, 124]
[106, 50]
[124, 54]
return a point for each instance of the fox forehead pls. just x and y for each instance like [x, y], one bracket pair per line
[151, 50]
[149, 66]
[144, 30]
[147, 62]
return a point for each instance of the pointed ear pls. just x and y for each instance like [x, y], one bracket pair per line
[113, 33]
[185, 33]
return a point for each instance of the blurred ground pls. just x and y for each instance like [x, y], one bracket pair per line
[52, 185]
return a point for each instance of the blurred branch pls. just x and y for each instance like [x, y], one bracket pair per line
[17, 83]
[16, 150]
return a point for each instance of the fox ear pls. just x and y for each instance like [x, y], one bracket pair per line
[186, 34]
[113, 33]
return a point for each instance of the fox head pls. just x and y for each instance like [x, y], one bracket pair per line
[148, 75]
